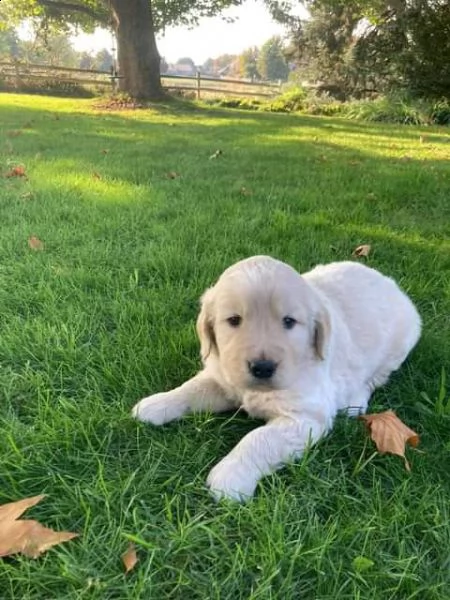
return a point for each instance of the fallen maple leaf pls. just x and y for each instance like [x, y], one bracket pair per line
[16, 172]
[25, 536]
[13, 510]
[129, 558]
[363, 250]
[245, 191]
[35, 243]
[390, 434]
[14, 133]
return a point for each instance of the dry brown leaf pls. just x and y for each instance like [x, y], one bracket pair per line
[245, 191]
[35, 243]
[129, 558]
[105, 151]
[28, 537]
[18, 171]
[13, 510]
[172, 175]
[96, 175]
[390, 434]
[363, 250]
[14, 133]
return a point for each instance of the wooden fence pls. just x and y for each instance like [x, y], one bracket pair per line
[20, 75]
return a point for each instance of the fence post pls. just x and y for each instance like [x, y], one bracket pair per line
[198, 83]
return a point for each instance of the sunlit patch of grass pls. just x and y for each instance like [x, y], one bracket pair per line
[105, 314]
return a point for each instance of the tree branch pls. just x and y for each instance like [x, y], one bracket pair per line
[71, 7]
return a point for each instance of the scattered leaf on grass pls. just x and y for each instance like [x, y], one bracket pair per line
[172, 175]
[13, 510]
[245, 191]
[105, 151]
[363, 250]
[96, 175]
[18, 171]
[353, 163]
[25, 536]
[129, 558]
[14, 133]
[390, 434]
[35, 243]
[27, 196]
[216, 154]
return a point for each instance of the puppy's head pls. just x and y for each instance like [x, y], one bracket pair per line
[263, 323]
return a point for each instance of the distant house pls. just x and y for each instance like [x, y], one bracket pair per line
[182, 70]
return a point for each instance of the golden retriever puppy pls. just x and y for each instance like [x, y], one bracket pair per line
[293, 350]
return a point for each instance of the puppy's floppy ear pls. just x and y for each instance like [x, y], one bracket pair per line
[321, 333]
[205, 325]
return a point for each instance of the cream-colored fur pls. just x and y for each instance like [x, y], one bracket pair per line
[352, 327]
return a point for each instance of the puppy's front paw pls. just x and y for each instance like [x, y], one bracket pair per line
[159, 408]
[229, 479]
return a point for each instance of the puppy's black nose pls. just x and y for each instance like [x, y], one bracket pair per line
[262, 369]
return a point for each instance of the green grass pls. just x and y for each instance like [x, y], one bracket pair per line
[104, 315]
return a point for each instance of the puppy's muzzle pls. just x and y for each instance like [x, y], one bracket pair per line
[262, 369]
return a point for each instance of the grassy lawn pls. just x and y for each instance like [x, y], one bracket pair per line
[105, 313]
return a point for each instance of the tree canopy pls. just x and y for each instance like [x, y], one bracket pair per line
[353, 46]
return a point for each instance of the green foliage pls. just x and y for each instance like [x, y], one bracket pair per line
[9, 44]
[242, 103]
[54, 49]
[399, 109]
[387, 109]
[248, 64]
[293, 100]
[272, 65]
[88, 13]
[360, 46]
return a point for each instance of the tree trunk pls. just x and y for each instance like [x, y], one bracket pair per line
[138, 56]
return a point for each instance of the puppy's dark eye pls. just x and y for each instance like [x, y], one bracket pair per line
[289, 322]
[234, 321]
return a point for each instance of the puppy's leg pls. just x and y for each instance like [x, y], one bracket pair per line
[262, 451]
[201, 393]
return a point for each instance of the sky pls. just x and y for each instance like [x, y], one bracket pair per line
[253, 25]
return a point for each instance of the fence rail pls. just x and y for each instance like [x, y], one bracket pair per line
[22, 75]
